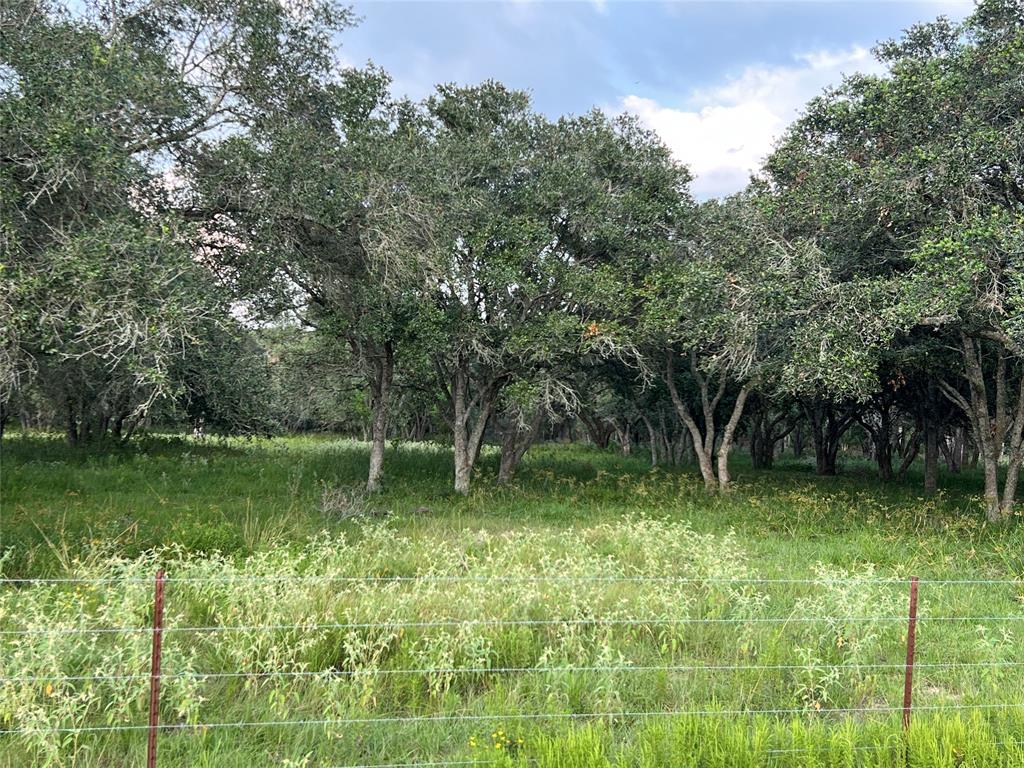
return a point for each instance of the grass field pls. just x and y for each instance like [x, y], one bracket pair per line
[561, 621]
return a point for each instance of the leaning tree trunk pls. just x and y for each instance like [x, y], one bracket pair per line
[380, 395]
[911, 448]
[599, 431]
[701, 446]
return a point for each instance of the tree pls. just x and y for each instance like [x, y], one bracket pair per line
[489, 296]
[720, 303]
[310, 211]
[107, 292]
[928, 160]
[535, 225]
[609, 194]
[770, 423]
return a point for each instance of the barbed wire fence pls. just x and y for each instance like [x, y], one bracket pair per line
[157, 631]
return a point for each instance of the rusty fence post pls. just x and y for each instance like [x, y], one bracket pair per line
[908, 677]
[154, 670]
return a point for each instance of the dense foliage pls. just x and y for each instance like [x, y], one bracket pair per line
[206, 221]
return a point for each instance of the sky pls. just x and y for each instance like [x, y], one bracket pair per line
[718, 81]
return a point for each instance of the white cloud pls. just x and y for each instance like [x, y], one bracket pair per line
[726, 130]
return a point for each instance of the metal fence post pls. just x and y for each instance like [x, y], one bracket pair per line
[908, 677]
[154, 670]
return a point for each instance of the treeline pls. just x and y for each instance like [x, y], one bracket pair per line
[205, 220]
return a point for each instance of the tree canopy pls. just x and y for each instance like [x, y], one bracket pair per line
[205, 219]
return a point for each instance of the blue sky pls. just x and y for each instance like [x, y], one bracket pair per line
[717, 80]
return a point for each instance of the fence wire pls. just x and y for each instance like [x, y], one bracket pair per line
[611, 669]
[188, 632]
[524, 578]
[509, 717]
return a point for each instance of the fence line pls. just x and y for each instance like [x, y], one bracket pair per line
[510, 716]
[641, 622]
[158, 632]
[333, 673]
[525, 578]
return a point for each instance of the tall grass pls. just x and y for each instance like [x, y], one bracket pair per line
[562, 621]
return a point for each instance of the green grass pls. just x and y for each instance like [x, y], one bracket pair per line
[237, 496]
[222, 516]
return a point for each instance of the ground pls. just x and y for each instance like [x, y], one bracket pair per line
[565, 620]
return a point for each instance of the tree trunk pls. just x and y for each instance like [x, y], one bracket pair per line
[827, 430]
[953, 449]
[758, 440]
[682, 450]
[653, 439]
[599, 431]
[992, 506]
[700, 447]
[727, 438]
[931, 458]
[623, 434]
[515, 442]
[463, 454]
[380, 389]
[765, 435]
[72, 424]
[822, 465]
[991, 430]
[463, 462]
[704, 445]
[883, 445]
[1015, 456]
[971, 453]
[507, 463]
[670, 446]
[468, 431]
[910, 450]
[831, 464]
[984, 432]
